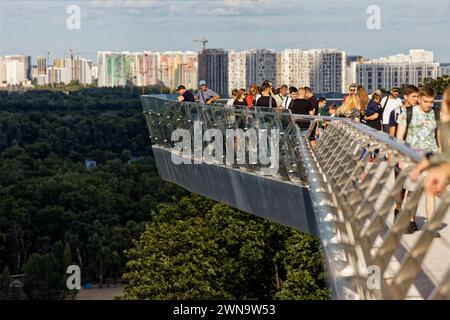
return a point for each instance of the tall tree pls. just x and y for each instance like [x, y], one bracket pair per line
[5, 280]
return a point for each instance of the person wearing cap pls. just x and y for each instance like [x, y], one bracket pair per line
[185, 95]
[391, 108]
[206, 95]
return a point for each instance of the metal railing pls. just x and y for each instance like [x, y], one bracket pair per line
[350, 168]
[350, 174]
[163, 117]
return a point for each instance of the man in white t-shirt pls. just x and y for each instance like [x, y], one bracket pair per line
[280, 96]
[293, 91]
[391, 108]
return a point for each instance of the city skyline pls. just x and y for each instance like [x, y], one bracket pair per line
[324, 70]
[265, 24]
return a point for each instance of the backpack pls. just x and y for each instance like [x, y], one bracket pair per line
[409, 114]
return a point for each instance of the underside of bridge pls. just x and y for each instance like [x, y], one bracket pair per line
[267, 197]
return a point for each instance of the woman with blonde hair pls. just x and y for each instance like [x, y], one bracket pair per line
[363, 99]
[350, 108]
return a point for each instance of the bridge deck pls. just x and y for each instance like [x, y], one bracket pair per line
[437, 260]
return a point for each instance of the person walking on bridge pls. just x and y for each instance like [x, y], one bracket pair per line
[438, 177]
[373, 112]
[417, 126]
[391, 108]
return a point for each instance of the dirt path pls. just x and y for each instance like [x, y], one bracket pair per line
[97, 293]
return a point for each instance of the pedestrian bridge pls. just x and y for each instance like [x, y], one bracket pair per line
[341, 189]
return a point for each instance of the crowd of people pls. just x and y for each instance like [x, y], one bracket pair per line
[412, 120]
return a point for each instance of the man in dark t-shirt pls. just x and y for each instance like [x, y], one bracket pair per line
[185, 95]
[313, 99]
[301, 105]
[266, 99]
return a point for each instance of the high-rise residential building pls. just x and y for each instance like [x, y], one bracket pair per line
[213, 68]
[111, 69]
[350, 71]
[168, 61]
[358, 59]
[261, 65]
[41, 79]
[178, 68]
[82, 70]
[237, 74]
[94, 72]
[293, 68]
[13, 63]
[444, 69]
[15, 72]
[327, 70]
[148, 68]
[350, 75]
[62, 63]
[56, 75]
[397, 70]
[42, 65]
[131, 68]
[2, 71]
[34, 72]
[189, 71]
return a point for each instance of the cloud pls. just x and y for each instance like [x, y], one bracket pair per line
[172, 24]
[196, 7]
[123, 3]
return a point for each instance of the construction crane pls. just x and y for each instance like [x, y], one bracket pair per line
[204, 41]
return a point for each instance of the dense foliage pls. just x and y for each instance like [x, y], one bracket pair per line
[439, 84]
[50, 199]
[199, 249]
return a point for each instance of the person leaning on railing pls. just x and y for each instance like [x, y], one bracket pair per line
[206, 95]
[439, 176]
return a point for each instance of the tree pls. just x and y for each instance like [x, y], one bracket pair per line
[43, 278]
[439, 84]
[5, 280]
[305, 279]
[67, 256]
[198, 249]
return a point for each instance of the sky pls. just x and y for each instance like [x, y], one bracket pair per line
[33, 27]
